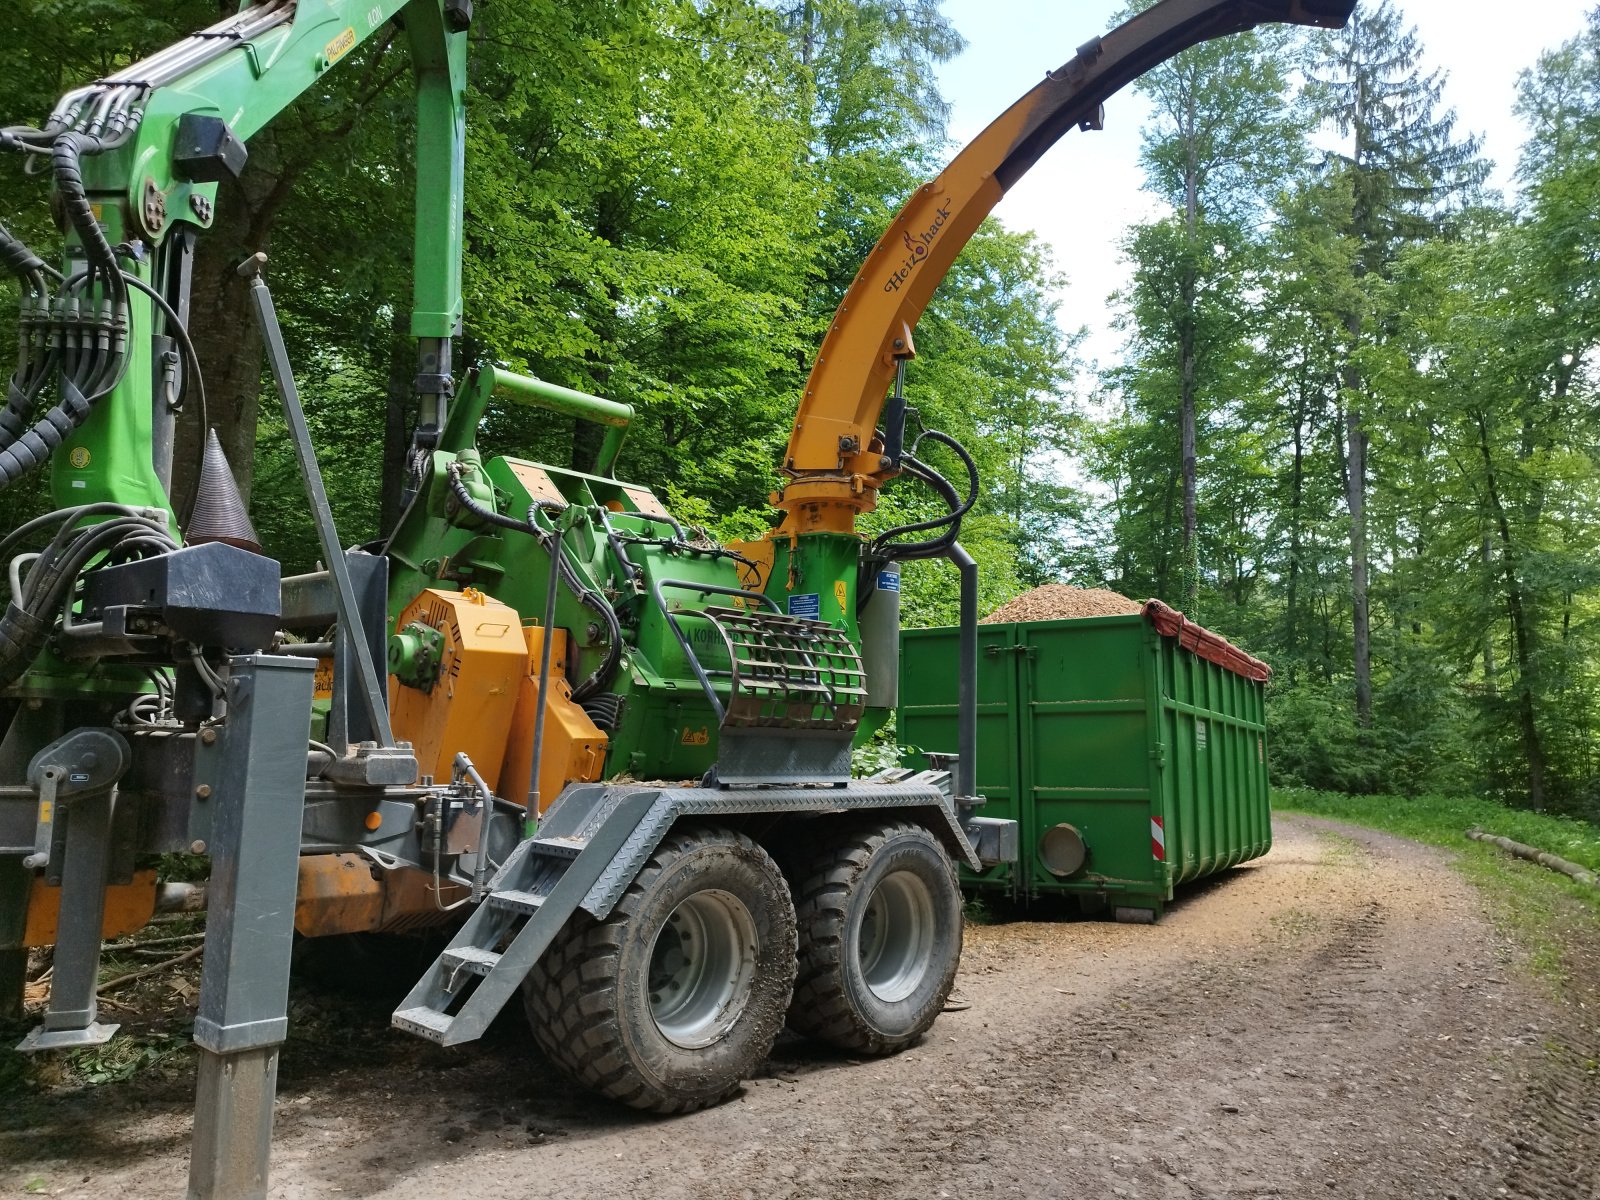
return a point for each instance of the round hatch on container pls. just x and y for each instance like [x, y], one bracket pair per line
[1062, 851]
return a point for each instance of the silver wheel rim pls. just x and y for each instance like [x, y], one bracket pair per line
[896, 941]
[701, 968]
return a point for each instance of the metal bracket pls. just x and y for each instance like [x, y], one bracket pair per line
[373, 690]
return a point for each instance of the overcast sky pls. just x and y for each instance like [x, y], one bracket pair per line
[1086, 191]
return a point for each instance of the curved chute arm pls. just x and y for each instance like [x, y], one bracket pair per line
[833, 467]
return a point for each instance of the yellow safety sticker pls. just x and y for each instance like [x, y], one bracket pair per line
[340, 46]
[840, 592]
[79, 457]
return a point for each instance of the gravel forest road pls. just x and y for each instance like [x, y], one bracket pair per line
[1340, 1019]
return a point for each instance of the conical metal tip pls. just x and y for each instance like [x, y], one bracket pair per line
[219, 513]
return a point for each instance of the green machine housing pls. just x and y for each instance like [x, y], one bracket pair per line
[1133, 762]
[649, 680]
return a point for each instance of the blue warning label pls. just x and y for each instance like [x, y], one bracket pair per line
[807, 605]
[888, 581]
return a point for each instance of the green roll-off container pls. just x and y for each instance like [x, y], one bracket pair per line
[1130, 749]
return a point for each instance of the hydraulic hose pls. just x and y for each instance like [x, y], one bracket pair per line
[886, 540]
[589, 598]
[884, 548]
[85, 339]
[52, 576]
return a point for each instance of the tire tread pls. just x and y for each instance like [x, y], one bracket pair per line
[572, 1001]
[821, 1007]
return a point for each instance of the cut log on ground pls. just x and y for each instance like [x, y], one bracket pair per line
[1533, 854]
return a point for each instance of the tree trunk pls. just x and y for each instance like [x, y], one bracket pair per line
[1522, 631]
[1164, 551]
[1490, 670]
[1533, 854]
[1187, 338]
[222, 321]
[1356, 500]
[1297, 478]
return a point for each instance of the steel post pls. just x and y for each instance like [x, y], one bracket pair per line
[258, 794]
[967, 719]
[373, 692]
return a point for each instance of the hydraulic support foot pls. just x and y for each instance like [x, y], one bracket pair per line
[257, 775]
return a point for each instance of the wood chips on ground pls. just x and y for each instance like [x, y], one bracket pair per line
[1057, 602]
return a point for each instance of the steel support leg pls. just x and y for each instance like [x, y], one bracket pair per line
[70, 1018]
[258, 794]
[233, 1124]
[14, 888]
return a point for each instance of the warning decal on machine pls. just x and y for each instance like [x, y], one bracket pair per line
[1158, 839]
[807, 605]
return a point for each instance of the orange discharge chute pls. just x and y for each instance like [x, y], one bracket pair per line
[835, 462]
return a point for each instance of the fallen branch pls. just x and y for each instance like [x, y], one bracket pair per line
[143, 971]
[1533, 854]
[166, 941]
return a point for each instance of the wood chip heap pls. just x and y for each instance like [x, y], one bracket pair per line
[1058, 602]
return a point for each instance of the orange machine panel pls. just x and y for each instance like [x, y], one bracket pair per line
[469, 706]
[574, 746]
[128, 907]
[344, 893]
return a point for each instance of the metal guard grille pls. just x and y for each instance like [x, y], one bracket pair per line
[789, 672]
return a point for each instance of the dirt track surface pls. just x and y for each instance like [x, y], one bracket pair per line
[1338, 1020]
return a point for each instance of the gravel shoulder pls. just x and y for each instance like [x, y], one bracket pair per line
[1340, 1019]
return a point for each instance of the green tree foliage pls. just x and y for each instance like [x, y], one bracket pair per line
[1403, 168]
[1405, 505]
[872, 117]
[665, 200]
[1223, 135]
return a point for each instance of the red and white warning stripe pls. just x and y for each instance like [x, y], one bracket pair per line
[1158, 839]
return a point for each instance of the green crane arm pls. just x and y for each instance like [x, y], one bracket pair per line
[143, 150]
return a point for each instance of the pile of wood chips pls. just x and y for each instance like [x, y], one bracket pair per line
[1058, 602]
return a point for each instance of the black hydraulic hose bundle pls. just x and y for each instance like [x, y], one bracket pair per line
[588, 597]
[78, 337]
[45, 587]
[887, 546]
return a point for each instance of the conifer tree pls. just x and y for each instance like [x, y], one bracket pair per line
[1404, 169]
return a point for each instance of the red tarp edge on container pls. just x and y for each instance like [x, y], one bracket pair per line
[1169, 622]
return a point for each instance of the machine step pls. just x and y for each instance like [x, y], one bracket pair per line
[536, 890]
[526, 903]
[565, 847]
[475, 960]
[428, 1023]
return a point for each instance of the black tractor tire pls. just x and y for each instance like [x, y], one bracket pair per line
[880, 938]
[677, 996]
